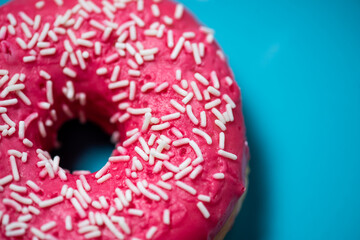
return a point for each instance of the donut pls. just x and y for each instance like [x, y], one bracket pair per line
[148, 74]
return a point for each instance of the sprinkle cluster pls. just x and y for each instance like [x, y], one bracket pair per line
[150, 145]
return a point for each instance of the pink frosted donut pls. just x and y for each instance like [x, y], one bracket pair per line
[151, 76]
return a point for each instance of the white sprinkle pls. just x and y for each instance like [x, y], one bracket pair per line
[155, 10]
[12, 203]
[132, 187]
[124, 117]
[69, 72]
[115, 74]
[97, 48]
[183, 173]
[81, 59]
[150, 32]
[219, 176]
[203, 134]
[37, 22]
[63, 59]
[132, 64]
[158, 166]
[188, 98]
[162, 87]
[5, 180]
[201, 79]
[134, 73]
[135, 212]
[104, 178]
[78, 207]
[152, 139]
[196, 171]
[8, 102]
[14, 168]
[164, 185]
[44, 32]
[142, 154]
[227, 154]
[18, 188]
[179, 90]
[220, 125]
[148, 86]
[186, 187]
[138, 111]
[188, 35]
[185, 163]
[68, 223]
[51, 202]
[137, 20]
[203, 210]
[196, 90]
[103, 170]
[170, 39]
[103, 202]
[78, 23]
[166, 217]
[167, 176]
[101, 71]
[3, 31]
[179, 10]
[119, 158]
[122, 197]
[24, 157]
[27, 143]
[191, 115]
[11, 29]
[196, 53]
[179, 45]
[229, 101]
[53, 36]
[229, 80]
[150, 51]
[47, 226]
[146, 193]
[21, 43]
[196, 149]
[96, 205]
[11, 19]
[159, 155]
[204, 198]
[151, 232]
[122, 38]
[160, 127]
[222, 140]
[213, 91]
[28, 59]
[26, 30]
[26, 18]
[97, 25]
[177, 105]
[213, 104]
[84, 43]
[38, 233]
[140, 5]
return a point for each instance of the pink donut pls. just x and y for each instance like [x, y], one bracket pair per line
[149, 74]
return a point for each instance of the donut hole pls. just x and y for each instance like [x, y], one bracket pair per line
[82, 146]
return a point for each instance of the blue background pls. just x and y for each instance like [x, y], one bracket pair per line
[298, 65]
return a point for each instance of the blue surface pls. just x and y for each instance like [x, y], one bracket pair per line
[298, 64]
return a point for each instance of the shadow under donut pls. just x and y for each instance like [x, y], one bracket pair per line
[250, 223]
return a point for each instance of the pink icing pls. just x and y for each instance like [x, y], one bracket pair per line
[186, 219]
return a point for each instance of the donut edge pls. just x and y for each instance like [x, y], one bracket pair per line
[230, 221]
